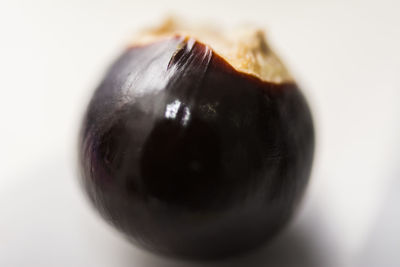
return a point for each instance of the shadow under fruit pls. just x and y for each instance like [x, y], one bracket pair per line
[190, 157]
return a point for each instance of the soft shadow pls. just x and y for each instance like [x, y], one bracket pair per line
[294, 247]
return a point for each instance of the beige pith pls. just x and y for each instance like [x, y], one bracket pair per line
[245, 49]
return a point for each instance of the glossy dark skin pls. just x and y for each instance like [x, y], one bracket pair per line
[189, 157]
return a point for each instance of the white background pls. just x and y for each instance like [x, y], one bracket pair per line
[345, 55]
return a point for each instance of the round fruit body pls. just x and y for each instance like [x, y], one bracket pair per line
[189, 157]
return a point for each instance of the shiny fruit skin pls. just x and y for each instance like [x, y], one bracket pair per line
[190, 158]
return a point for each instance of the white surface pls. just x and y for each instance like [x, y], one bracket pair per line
[345, 55]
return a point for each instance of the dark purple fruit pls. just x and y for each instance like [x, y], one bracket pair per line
[192, 157]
